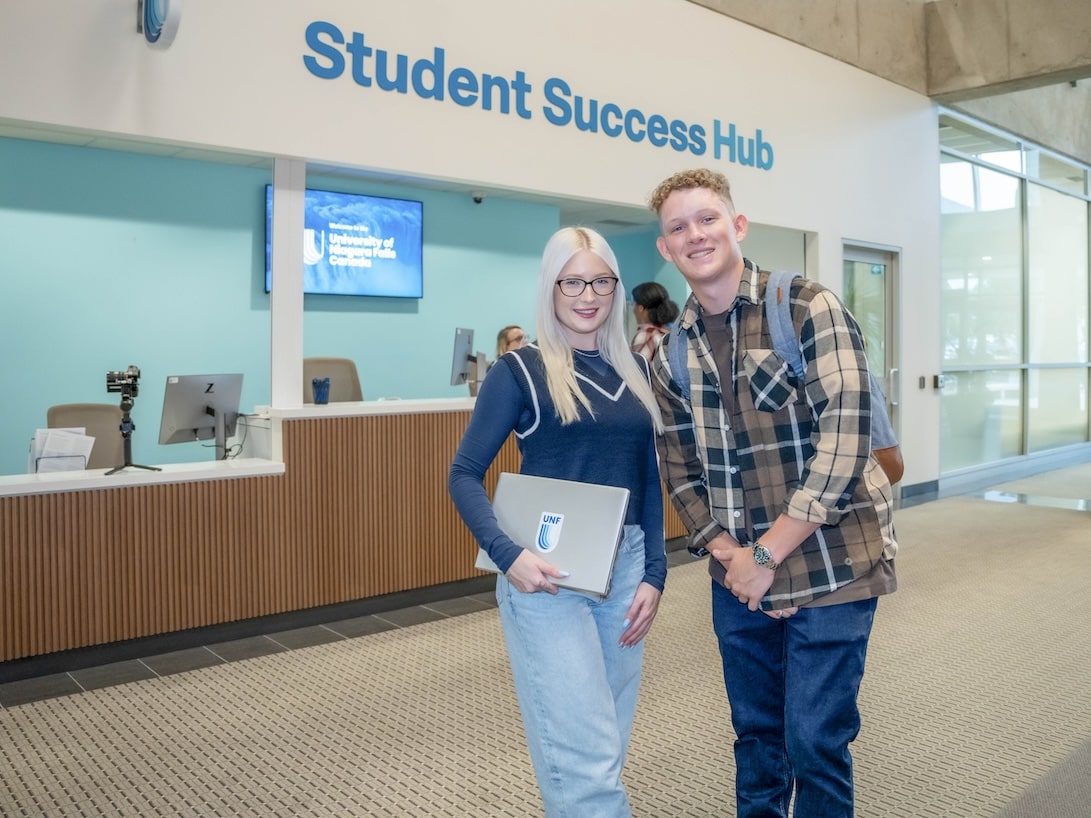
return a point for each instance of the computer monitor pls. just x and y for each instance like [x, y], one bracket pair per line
[201, 407]
[462, 357]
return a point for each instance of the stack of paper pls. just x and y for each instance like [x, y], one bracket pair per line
[60, 450]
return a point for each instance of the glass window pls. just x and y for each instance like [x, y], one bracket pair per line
[1057, 400]
[981, 418]
[1055, 170]
[982, 260]
[958, 193]
[1057, 297]
[980, 143]
[1016, 289]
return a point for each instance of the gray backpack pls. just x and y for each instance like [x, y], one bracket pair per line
[778, 312]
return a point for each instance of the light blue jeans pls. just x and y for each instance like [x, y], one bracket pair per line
[577, 687]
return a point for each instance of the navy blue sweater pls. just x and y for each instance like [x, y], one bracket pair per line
[615, 448]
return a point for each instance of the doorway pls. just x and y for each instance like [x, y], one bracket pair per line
[870, 286]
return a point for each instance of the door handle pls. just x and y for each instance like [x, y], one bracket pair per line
[895, 386]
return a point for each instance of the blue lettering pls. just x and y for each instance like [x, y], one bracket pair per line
[490, 85]
[746, 157]
[359, 51]
[587, 121]
[521, 88]
[400, 81]
[698, 145]
[556, 92]
[610, 115]
[631, 131]
[679, 135]
[746, 151]
[719, 140]
[551, 519]
[429, 78]
[765, 153]
[657, 130]
[462, 85]
[434, 69]
[336, 65]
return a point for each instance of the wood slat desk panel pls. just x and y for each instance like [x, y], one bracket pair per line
[361, 510]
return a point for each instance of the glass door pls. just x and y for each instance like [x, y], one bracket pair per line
[869, 287]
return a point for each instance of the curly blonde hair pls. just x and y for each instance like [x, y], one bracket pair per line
[687, 180]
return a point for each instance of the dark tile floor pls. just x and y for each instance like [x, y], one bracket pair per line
[163, 664]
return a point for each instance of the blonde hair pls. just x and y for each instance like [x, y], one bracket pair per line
[688, 180]
[560, 369]
[502, 339]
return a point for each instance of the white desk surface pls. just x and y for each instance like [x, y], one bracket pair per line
[53, 482]
[369, 407]
[21, 484]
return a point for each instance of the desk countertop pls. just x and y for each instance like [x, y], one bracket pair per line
[53, 482]
[22, 484]
[390, 406]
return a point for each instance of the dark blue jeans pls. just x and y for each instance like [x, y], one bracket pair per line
[792, 687]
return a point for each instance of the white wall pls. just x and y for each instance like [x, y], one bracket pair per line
[855, 157]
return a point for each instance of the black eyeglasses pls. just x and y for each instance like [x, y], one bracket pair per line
[574, 287]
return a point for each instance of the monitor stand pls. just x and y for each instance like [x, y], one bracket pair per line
[479, 365]
[220, 434]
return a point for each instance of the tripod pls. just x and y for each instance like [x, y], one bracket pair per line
[127, 427]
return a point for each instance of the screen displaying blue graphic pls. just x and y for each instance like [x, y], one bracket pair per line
[356, 245]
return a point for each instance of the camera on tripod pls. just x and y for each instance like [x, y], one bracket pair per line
[127, 382]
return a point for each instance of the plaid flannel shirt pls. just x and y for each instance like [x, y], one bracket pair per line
[646, 340]
[778, 445]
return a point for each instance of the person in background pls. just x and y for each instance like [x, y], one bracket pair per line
[774, 476]
[510, 337]
[582, 408]
[654, 313]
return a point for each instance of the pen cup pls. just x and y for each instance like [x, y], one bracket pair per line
[321, 387]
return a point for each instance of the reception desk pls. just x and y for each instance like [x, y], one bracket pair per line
[346, 501]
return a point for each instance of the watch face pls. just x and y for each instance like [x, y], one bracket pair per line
[762, 555]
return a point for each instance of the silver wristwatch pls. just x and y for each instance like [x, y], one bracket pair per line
[762, 556]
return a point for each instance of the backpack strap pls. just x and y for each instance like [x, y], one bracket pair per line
[676, 356]
[778, 313]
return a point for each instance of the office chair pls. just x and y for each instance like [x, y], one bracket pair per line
[344, 382]
[102, 422]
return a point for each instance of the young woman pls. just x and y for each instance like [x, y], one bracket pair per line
[581, 407]
[654, 311]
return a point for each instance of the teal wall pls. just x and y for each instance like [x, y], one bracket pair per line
[638, 259]
[109, 259]
[480, 271]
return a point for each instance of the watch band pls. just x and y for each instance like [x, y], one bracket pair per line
[763, 557]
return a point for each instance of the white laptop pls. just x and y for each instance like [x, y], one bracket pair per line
[573, 526]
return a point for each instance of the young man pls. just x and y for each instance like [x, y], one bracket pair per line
[773, 476]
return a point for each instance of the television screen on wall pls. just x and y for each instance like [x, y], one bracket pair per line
[356, 245]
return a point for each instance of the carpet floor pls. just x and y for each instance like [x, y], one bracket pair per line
[976, 704]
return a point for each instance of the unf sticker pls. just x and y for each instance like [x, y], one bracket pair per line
[549, 531]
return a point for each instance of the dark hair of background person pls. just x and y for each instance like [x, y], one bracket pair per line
[654, 298]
